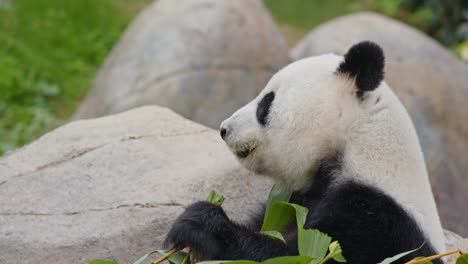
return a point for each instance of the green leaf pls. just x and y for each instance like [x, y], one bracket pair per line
[102, 261]
[274, 234]
[463, 259]
[281, 215]
[177, 258]
[228, 261]
[312, 242]
[427, 262]
[276, 195]
[336, 252]
[399, 256]
[278, 260]
[215, 198]
[289, 260]
[140, 260]
[186, 259]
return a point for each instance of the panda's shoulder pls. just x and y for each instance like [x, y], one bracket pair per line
[360, 215]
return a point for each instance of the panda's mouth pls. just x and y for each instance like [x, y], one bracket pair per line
[242, 154]
[244, 150]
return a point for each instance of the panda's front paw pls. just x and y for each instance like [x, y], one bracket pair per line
[204, 228]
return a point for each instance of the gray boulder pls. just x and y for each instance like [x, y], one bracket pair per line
[454, 241]
[433, 85]
[111, 187]
[203, 59]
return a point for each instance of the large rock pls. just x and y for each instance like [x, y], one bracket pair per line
[433, 85]
[110, 187]
[454, 241]
[203, 59]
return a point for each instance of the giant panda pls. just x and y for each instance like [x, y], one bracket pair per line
[332, 131]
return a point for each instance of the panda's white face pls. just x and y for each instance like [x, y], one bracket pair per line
[303, 115]
[300, 118]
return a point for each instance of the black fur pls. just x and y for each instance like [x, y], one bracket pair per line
[205, 228]
[364, 62]
[369, 225]
[263, 108]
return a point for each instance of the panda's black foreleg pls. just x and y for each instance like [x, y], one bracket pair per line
[208, 232]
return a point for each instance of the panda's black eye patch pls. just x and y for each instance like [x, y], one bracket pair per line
[263, 108]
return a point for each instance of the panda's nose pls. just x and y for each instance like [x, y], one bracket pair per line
[224, 132]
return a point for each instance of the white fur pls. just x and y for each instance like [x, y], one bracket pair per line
[315, 111]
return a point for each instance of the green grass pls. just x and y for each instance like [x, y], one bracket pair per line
[50, 51]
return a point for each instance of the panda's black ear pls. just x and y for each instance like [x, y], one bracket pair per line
[364, 62]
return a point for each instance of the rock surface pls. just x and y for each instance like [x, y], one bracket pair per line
[111, 187]
[433, 85]
[454, 241]
[204, 59]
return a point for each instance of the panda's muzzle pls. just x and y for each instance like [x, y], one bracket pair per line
[244, 153]
[244, 150]
[240, 141]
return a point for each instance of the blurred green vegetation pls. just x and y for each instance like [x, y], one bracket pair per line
[306, 14]
[50, 50]
[445, 20]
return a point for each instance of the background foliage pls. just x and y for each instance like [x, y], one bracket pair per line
[50, 50]
[445, 20]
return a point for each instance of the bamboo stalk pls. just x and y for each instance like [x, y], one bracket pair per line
[166, 256]
[426, 259]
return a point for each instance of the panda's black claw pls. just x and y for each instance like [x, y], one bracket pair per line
[203, 227]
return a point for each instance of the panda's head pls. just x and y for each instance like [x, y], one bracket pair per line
[307, 112]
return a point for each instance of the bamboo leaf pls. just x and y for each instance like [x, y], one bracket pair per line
[180, 257]
[276, 195]
[289, 260]
[312, 242]
[427, 262]
[399, 256]
[177, 258]
[274, 234]
[463, 259]
[140, 260]
[215, 198]
[228, 261]
[336, 252]
[278, 260]
[282, 214]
